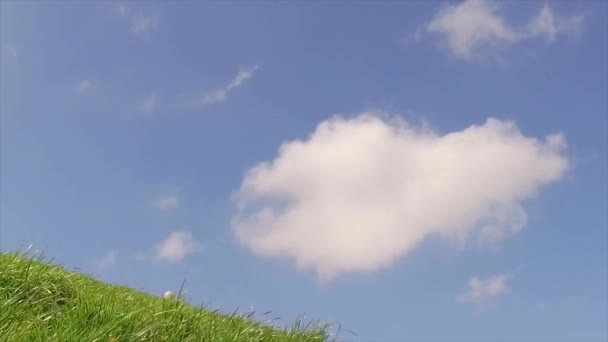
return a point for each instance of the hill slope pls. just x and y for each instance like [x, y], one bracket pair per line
[43, 302]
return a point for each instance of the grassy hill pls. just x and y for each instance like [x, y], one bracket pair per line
[43, 302]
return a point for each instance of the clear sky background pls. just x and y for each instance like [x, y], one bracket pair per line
[412, 170]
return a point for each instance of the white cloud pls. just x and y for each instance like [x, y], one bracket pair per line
[148, 105]
[122, 9]
[549, 25]
[83, 86]
[471, 24]
[415, 36]
[482, 292]
[107, 261]
[12, 50]
[177, 246]
[221, 94]
[473, 27]
[362, 192]
[167, 202]
[142, 25]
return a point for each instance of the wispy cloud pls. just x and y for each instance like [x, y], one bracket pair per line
[148, 105]
[474, 27]
[556, 304]
[177, 246]
[11, 49]
[122, 9]
[221, 94]
[471, 25]
[482, 292]
[550, 26]
[142, 25]
[108, 260]
[362, 192]
[167, 202]
[83, 86]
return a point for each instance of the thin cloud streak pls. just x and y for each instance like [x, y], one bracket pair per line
[221, 94]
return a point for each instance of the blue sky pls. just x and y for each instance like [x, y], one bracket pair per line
[410, 170]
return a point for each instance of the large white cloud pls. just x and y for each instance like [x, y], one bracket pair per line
[361, 192]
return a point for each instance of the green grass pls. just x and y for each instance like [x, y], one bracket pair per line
[40, 301]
